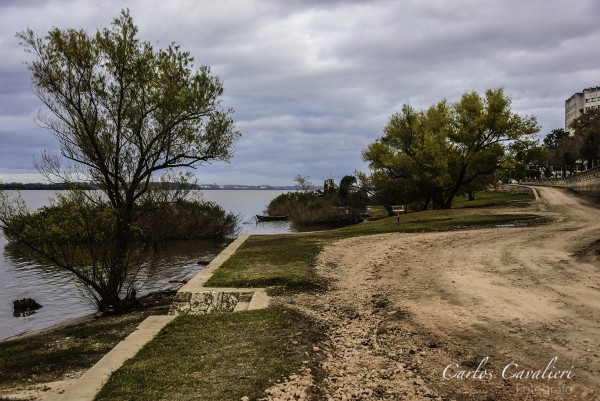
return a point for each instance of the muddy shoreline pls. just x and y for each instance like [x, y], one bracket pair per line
[153, 300]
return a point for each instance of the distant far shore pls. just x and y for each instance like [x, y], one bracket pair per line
[82, 185]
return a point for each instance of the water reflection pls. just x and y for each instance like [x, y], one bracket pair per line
[266, 227]
[282, 227]
[25, 276]
[23, 313]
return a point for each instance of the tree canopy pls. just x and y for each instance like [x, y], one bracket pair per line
[123, 111]
[553, 139]
[124, 115]
[583, 146]
[587, 127]
[449, 148]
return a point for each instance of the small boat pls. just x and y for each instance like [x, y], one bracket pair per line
[270, 218]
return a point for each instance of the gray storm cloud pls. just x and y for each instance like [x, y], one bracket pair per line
[314, 82]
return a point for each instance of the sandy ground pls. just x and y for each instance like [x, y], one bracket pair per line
[42, 391]
[508, 313]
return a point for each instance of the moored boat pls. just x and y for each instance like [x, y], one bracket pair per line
[270, 218]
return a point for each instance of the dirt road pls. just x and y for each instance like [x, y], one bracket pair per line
[508, 313]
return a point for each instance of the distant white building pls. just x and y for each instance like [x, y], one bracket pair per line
[580, 102]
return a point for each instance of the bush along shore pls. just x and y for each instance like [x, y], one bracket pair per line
[230, 356]
[307, 208]
[83, 234]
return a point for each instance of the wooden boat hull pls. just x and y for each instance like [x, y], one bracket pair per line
[271, 218]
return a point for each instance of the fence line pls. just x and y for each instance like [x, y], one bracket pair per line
[589, 174]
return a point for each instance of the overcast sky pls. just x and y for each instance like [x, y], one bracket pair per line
[314, 82]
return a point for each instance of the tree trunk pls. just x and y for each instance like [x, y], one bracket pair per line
[439, 202]
[111, 301]
[456, 187]
[112, 298]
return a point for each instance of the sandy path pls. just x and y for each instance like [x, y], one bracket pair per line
[405, 308]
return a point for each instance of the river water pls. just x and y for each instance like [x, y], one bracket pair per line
[63, 299]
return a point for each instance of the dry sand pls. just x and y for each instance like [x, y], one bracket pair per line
[463, 315]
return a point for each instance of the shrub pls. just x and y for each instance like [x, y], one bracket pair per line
[187, 220]
[76, 224]
[305, 208]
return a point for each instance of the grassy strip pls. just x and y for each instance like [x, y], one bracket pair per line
[377, 212]
[434, 220]
[287, 262]
[284, 261]
[220, 356]
[228, 356]
[47, 357]
[489, 198]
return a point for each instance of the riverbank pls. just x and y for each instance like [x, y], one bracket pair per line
[22, 277]
[41, 364]
[159, 300]
[291, 272]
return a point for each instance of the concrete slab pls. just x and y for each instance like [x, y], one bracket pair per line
[260, 299]
[213, 299]
[91, 382]
[196, 283]
[241, 306]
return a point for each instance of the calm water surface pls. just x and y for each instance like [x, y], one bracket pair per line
[63, 299]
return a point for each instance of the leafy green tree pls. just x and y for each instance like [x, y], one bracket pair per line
[552, 140]
[448, 147]
[303, 183]
[568, 152]
[526, 158]
[587, 127]
[387, 191]
[485, 125]
[414, 150]
[124, 114]
[345, 184]
[349, 195]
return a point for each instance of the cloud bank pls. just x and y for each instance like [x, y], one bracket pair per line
[314, 82]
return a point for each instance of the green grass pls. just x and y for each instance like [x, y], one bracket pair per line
[287, 262]
[490, 198]
[46, 357]
[434, 220]
[283, 261]
[377, 212]
[219, 356]
[228, 356]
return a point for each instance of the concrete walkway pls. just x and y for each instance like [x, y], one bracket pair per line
[195, 299]
[192, 298]
[91, 382]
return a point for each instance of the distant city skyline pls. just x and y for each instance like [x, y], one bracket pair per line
[47, 186]
[314, 82]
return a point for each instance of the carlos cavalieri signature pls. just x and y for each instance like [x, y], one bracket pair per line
[510, 371]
